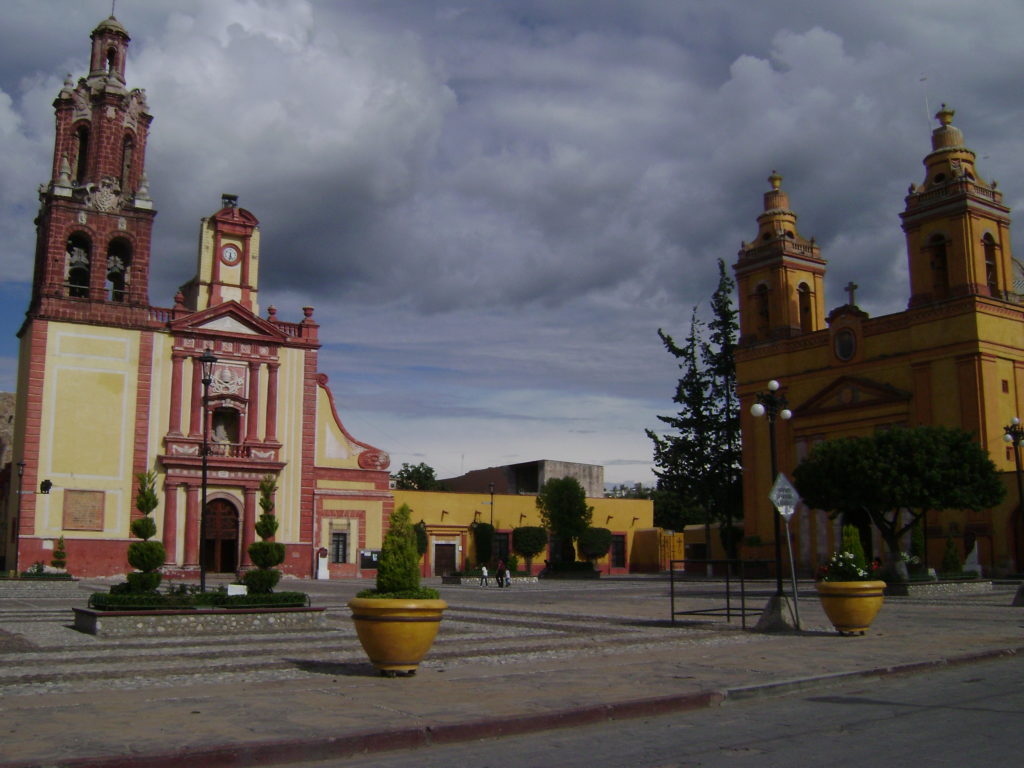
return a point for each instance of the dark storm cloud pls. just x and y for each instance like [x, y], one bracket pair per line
[494, 206]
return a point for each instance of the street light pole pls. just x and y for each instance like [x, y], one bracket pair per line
[1014, 434]
[773, 405]
[207, 361]
[17, 521]
[492, 505]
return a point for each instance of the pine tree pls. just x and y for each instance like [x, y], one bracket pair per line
[698, 461]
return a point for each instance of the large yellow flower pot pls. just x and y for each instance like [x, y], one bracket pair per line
[396, 634]
[851, 606]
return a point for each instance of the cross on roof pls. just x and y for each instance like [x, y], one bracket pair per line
[851, 288]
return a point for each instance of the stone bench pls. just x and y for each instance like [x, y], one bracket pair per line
[197, 621]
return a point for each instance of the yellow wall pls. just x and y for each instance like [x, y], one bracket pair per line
[449, 515]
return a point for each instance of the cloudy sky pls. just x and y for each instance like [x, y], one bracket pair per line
[493, 206]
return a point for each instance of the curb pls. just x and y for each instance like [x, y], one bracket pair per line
[368, 742]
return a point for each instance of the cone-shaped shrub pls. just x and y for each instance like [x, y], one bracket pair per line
[398, 568]
[265, 554]
[60, 555]
[147, 556]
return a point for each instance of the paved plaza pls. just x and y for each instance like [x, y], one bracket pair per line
[505, 661]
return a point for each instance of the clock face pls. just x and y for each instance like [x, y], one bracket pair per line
[229, 254]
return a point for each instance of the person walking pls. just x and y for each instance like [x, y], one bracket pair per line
[483, 575]
[499, 573]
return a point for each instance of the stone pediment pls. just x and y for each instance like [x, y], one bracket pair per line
[852, 392]
[230, 317]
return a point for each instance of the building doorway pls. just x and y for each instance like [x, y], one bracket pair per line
[220, 547]
[444, 559]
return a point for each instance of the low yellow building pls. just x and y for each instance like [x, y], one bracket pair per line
[448, 517]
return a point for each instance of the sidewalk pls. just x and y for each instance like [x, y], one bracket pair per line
[505, 662]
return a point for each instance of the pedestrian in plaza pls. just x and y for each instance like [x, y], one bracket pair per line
[499, 573]
[508, 577]
[483, 575]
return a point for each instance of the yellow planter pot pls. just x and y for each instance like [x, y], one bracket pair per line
[851, 606]
[396, 634]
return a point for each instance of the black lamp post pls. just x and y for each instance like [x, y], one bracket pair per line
[17, 520]
[207, 361]
[1014, 435]
[773, 405]
[492, 505]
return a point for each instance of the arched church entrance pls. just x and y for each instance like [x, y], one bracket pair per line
[220, 547]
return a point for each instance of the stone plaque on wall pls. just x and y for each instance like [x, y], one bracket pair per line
[83, 510]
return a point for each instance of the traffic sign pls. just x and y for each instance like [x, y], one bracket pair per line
[784, 496]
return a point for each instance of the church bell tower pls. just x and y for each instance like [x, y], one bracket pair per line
[957, 228]
[96, 217]
[779, 276]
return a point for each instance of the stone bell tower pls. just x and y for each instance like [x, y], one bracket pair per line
[96, 217]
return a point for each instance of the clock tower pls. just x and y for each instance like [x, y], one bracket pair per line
[229, 243]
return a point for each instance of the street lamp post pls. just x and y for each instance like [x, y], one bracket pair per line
[492, 505]
[1014, 434]
[17, 520]
[207, 361]
[773, 405]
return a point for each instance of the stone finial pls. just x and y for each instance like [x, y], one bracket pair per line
[308, 312]
[272, 313]
[945, 115]
[775, 180]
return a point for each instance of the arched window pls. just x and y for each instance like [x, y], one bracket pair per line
[988, 243]
[111, 60]
[76, 266]
[761, 308]
[940, 267]
[127, 152]
[81, 153]
[806, 313]
[119, 261]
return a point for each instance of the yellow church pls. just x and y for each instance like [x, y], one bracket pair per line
[953, 357]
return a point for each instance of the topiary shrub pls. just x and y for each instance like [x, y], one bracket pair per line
[398, 568]
[951, 567]
[529, 541]
[421, 537]
[60, 555]
[265, 554]
[483, 541]
[147, 556]
[594, 543]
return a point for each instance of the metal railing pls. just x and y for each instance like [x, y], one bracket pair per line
[735, 570]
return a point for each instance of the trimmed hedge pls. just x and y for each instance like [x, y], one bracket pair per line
[105, 601]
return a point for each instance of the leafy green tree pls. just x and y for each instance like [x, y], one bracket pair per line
[529, 541]
[563, 507]
[147, 556]
[594, 543]
[265, 554]
[698, 460]
[914, 469]
[418, 477]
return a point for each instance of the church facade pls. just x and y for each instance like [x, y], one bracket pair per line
[110, 386]
[954, 357]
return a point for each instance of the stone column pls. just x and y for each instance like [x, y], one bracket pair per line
[271, 435]
[191, 525]
[174, 423]
[248, 524]
[170, 536]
